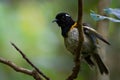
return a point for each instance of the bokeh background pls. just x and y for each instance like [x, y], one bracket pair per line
[28, 24]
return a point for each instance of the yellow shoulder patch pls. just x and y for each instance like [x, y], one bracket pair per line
[73, 26]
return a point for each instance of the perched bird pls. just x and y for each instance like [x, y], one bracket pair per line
[70, 34]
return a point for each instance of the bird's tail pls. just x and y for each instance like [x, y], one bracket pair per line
[89, 61]
[101, 66]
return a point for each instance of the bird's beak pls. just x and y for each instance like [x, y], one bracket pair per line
[54, 20]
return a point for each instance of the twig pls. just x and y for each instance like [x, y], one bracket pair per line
[76, 69]
[28, 61]
[15, 67]
[20, 69]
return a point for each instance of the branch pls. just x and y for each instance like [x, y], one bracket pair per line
[28, 61]
[15, 67]
[80, 28]
[20, 69]
[76, 69]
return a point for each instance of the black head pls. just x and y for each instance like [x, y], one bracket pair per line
[63, 20]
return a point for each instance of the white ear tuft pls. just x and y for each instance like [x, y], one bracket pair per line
[67, 15]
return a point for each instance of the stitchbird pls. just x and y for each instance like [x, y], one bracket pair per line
[70, 34]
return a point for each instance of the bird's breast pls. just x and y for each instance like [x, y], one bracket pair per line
[71, 42]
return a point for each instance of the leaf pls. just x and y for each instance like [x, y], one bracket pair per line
[115, 12]
[98, 17]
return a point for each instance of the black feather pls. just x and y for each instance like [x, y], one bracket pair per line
[100, 64]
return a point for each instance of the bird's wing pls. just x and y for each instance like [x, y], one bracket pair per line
[94, 33]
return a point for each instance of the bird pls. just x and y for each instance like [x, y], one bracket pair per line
[70, 33]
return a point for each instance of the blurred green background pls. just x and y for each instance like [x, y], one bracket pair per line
[28, 24]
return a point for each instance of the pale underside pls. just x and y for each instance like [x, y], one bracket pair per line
[71, 42]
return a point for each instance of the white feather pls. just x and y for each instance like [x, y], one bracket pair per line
[71, 42]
